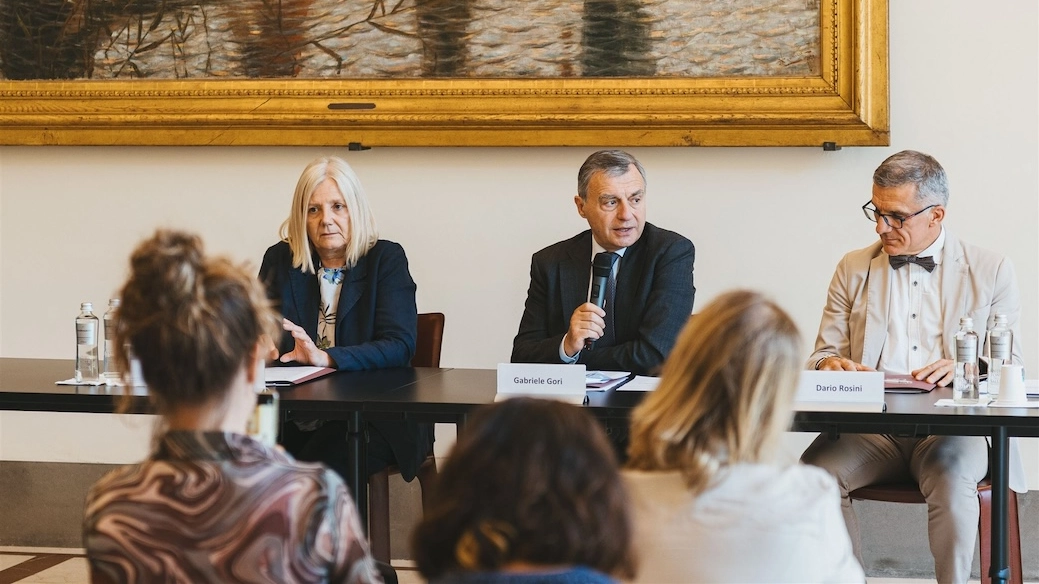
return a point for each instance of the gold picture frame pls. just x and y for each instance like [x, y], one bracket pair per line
[846, 104]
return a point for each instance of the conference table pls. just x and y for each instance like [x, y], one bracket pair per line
[450, 395]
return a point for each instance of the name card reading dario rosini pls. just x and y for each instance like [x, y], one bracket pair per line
[840, 391]
[561, 382]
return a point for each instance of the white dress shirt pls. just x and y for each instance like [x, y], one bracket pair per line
[914, 329]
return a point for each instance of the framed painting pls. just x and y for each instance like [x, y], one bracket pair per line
[444, 72]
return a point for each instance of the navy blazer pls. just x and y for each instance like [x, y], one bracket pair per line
[654, 300]
[376, 318]
[376, 322]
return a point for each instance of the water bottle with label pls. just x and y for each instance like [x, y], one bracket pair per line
[86, 343]
[965, 382]
[263, 425]
[111, 320]
[999, 346]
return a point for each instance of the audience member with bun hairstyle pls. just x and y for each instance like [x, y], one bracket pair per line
[211, 504]
[530, 494]
[712, 502]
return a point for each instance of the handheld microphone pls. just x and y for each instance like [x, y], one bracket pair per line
[602, 265]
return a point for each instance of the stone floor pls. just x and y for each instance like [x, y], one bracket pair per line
[69, 566]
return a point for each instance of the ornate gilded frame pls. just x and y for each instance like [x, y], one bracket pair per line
[846, 104]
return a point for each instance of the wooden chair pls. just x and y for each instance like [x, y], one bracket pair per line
[909, 492]
[427, 354]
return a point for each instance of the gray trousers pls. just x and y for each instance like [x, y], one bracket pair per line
[947, 468]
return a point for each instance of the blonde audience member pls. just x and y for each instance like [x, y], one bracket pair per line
[211, 504]
[711, 502]
[530, 494]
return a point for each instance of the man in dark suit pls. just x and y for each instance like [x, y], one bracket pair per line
[652, 279]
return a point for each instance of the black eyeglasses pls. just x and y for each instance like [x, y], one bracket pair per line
[892, 221]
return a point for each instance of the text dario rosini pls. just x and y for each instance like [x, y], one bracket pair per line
[839, 388]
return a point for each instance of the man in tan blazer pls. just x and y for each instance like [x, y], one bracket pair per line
[895, 306]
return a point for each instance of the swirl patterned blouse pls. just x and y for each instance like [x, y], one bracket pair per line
[222, 507]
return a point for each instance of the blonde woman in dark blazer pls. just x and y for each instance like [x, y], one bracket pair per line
[348, 302]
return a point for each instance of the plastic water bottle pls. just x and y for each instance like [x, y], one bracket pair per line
[111, 321]
[263, 425]
[965, 382]
[999, 348]
[86, 343]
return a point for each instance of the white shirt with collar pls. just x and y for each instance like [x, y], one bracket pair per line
[596, 249]
[914, 329]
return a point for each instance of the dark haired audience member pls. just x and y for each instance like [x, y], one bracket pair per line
[210, 504]
[530, 494]
[711, 502]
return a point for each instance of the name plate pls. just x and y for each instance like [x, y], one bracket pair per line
[840, 391]
[559, 382]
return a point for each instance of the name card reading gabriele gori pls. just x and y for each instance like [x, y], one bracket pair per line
[840, 391]
[538, 380]
[559, 382]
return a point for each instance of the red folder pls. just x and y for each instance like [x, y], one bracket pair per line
[896, 383]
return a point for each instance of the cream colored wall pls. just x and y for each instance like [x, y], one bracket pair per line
[963, 88]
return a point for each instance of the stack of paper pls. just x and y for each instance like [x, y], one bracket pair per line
[284, 376]
[641, 383]
[605, 380]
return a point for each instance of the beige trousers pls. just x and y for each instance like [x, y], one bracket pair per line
[947, 468]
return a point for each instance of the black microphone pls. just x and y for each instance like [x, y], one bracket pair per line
[602, 265]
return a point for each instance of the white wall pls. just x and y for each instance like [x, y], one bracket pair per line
[963, 88]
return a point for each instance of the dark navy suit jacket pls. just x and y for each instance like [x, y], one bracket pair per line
[376, 322]
[376, 317]
[654, 300]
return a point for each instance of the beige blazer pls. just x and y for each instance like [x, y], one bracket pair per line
[976, 282]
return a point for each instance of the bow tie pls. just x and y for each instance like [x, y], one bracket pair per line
[926, 262]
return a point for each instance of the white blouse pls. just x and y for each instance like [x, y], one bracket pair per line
[757, 523]
[330, 281]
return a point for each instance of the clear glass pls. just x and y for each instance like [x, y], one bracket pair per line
[992, 378]
[965, 382]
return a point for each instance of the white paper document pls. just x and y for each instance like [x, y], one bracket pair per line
[280, 376]
[641, 383]
[987, 401]
[1028, 404]
[948, 402]
[74, 382]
